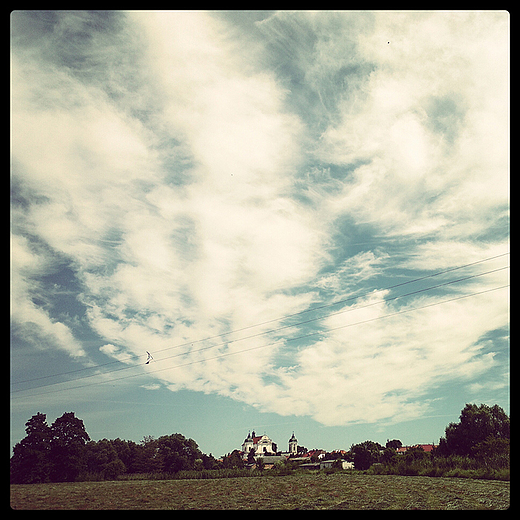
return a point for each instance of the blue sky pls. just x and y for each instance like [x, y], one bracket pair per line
[302, 216]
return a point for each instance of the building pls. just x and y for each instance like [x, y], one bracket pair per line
[293, 445]
[261, 444]
[330, 463]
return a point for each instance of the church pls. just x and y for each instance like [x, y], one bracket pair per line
[263, 445]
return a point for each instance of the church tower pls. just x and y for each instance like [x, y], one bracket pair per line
[248, 443]
[293, 445]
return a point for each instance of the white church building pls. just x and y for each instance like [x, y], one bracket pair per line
[263, 445]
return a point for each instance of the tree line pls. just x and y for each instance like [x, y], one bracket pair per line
[476, 446]
[64, 452]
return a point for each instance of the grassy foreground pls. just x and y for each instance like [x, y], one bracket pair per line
[301, 491]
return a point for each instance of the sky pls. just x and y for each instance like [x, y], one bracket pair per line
[302, 216]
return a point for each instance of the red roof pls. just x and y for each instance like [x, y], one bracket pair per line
[425, 447]
[256, 439]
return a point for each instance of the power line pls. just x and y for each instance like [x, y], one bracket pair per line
[406, 311]
[344, 311]
[285, 317]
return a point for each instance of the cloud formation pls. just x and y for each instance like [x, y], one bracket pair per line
[200, 177]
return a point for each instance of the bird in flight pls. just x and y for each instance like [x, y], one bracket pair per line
[149, 358]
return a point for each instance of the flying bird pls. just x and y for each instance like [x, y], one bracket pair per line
[149, 358]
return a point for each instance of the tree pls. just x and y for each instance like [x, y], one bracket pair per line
[365, 454]
[68, 439]
[363, 459]
[30, 461]
[208, 461]
[233, 460]
[101, 459]
[415, 453]
[477, 423]
[251, 456]
[177, 453]
[113, 469]
[394, 444]
[389, 456]
[125, 451]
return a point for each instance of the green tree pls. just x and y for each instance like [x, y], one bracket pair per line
[365, 454]
[144, 457]
[395, 443]
[113, 469]
[477, 423]
[68, 439]
[233, 460]
[30, 461]
[416, 453]
[251, 456]
[177, 453]
[102, 459]
[208, 461]
[124, 450]
[389, 456]
[363, 458]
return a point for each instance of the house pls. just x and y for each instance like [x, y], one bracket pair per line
[329, 464]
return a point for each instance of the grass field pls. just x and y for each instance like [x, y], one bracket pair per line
[300, 491]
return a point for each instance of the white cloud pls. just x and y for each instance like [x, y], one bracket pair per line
[383, 369]
[34, 322]
[184, 222]
[433, 127]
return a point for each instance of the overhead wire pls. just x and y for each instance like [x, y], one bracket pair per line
[257, 347]
[285, 317]
[350, 309]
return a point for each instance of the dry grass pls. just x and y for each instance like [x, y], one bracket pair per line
[347, 490]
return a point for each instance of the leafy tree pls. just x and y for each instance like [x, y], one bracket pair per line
[30, 461]
[177, 453]
[113, 469]
[363, 458]
[493, 452]
[233, 460]
[125, 451]
[68, 439]
[395, 443]
[144, 457]
[365, 454]
[416, 453]
[477, 423]
[389, 456]
[208, 461]
[251, 456]
[101, 458]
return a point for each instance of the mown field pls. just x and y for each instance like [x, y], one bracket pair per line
[300, 491]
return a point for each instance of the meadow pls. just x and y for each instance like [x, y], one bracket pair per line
[341, 490]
